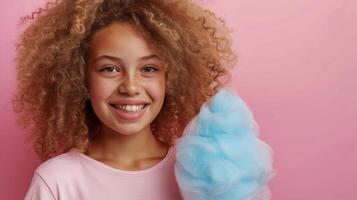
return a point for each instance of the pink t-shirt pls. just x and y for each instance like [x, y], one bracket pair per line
[76, 176]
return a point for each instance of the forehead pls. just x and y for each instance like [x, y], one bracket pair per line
[120, 38]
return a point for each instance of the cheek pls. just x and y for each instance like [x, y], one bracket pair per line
[99, 89]
[156, 89]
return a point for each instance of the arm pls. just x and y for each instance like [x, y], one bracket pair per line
[39, 190]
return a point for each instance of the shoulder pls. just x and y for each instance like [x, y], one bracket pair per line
[60, 165]
[52, 174]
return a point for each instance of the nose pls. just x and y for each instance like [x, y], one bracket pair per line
[129, 86]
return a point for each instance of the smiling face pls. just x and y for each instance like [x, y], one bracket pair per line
[126, 79]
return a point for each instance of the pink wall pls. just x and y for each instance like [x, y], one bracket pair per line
[297, 72]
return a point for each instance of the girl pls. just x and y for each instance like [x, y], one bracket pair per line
[107, 86]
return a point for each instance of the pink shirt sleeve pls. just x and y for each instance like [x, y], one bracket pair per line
[39, 190]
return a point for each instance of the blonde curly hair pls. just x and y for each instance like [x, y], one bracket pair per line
[52, 98]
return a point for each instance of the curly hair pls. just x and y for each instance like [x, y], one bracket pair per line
[52, 98]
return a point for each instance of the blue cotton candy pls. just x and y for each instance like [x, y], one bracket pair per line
[220, 156]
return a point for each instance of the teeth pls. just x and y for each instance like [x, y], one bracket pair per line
[129, 108]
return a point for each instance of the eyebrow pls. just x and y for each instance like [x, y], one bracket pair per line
[118, 59]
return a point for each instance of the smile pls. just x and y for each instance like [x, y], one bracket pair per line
[128, 108]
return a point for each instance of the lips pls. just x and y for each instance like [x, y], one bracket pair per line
[129, 110]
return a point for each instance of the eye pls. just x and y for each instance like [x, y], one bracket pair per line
[110, 69]
[150, 68]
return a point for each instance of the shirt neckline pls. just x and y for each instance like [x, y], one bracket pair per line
[125, 172]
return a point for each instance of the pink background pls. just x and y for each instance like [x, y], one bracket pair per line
[297, 72]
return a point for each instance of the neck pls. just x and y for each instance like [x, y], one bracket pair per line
[112, 146]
